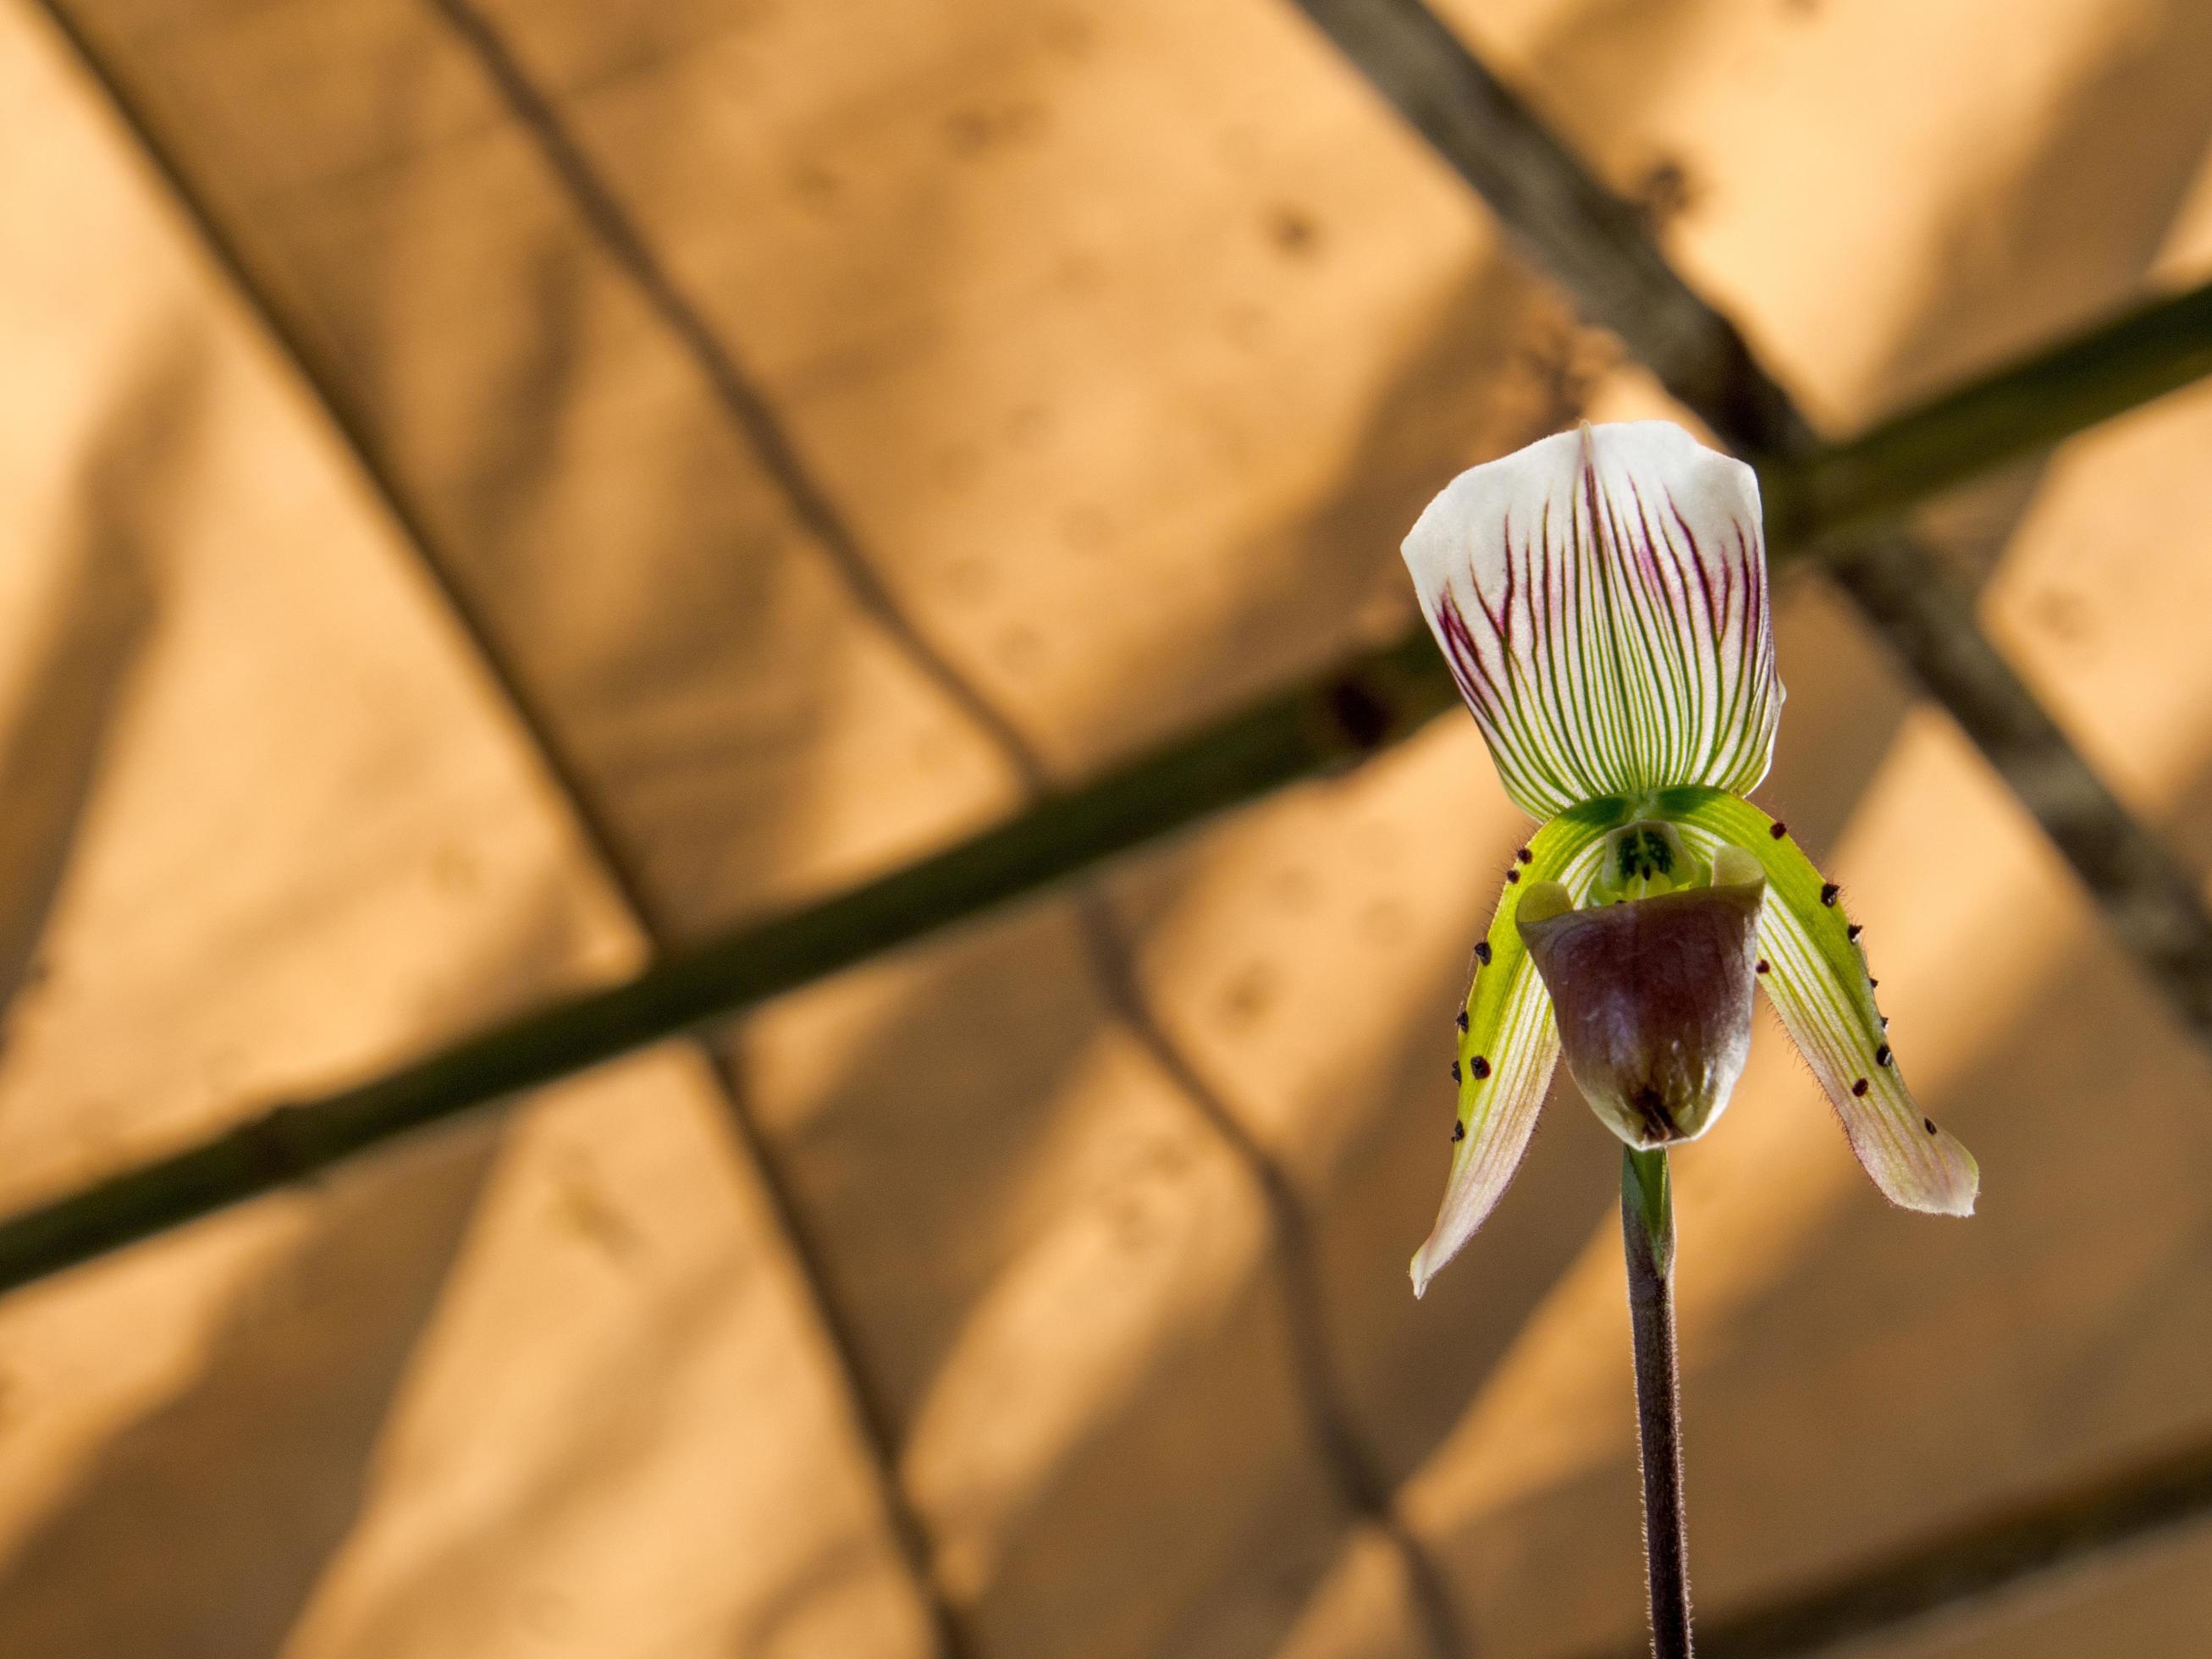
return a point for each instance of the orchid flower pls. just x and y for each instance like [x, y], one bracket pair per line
[1602, 599]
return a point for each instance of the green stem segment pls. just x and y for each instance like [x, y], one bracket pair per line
[2125, 362]
[1336, 720]
[1647, 1226]
[1332, 721]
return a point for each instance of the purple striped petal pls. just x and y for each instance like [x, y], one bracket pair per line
[1602, 599]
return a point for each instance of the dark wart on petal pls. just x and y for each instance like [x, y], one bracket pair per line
[1882, 1056]
[1482, 953]
[1459, 1131]
[1860, 1087]
[1928, 1124]
[1828, 891]
[1480, 1067]
[1853, 931]
[1461, 1021]
[1762, 966]
[1512, 875]
[1777, 829]
[1455, 1070]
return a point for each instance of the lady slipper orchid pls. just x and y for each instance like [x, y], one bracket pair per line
[1602, 599]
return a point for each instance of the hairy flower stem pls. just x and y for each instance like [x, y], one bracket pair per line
[1647, 1225]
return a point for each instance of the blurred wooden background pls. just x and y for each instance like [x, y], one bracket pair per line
[492, 490]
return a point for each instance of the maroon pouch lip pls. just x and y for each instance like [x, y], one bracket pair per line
[1653, 998]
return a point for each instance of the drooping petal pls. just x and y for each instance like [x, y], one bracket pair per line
[1815, 973]
[1510, 1041]
[1601, 596]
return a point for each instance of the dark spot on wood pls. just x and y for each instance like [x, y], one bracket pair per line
[1663, 194]
[1363, 717]
[1459, 1131]
[1482, 953]
[1762, 964]
[1860, 1087]
[1777, 829]
[1479, 1067]
[1293, 230]
[1882, 1056]
[1828, 891]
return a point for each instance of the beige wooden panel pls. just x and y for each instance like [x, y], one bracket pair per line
[1127, 341]
[2155, 1598]
[312, 842]
[1050, 433]
[1882, 222]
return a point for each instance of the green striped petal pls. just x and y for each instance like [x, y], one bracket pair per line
[1510, 1041]
[1814, 971]
[1602, 599]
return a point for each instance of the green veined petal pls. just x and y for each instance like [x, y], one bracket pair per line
[1511, 1042]
[1602, 598]
[1817, 978]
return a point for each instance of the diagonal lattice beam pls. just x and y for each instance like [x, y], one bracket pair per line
[353, 425]
[1333, 720]
[1330, 722]
[629, 245]
[2051, 1533]
[1595, 245]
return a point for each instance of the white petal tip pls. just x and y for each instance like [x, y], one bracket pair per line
[1948, 1188]
[1961, 1207]
[1437, 1252]
[1945, 1205]
[1958, 1204]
